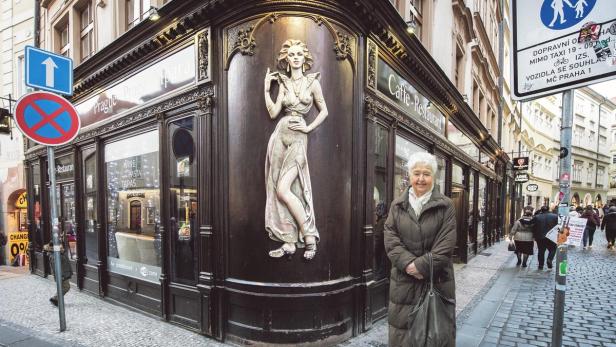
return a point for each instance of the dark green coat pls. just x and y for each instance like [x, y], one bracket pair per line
[407, 240]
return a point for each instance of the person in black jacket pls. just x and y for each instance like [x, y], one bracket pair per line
[592, 222]
[543, 222]
[609, 224]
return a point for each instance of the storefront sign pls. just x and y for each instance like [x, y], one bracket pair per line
[22, 200]
[520, 163]
[135, 195]
[171, 73]
[521, 177]
[532, 187]
[18, 245]
[5, 121]
[65, 167]
[408, 98]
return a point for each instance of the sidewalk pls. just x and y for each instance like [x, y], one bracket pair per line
[28, 319]
[518, 309]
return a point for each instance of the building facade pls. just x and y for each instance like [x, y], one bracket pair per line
[166, 195]
[16, 31]
[591, 145]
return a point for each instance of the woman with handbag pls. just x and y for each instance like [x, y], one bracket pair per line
[420, 235]
[522, 233]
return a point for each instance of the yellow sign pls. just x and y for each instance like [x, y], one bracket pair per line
[22, 201]
[18, 244]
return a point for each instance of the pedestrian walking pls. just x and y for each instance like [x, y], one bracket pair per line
[2, 245]
[542, 223]
[576, 211]
[65, 267]
[522, 234]
[420, 221]
[592, 221]
[609, 225]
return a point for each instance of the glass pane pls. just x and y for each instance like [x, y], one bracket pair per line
[68, 217]
[381, 200]
[457, 174]
[36, 200]
[85, 46]
[481, 205]
[91, 214]
[471, 206]
[133, 207]
[440, 178]
[404, 149]
[183, 200]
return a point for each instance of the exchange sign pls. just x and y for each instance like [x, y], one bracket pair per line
[562, 44]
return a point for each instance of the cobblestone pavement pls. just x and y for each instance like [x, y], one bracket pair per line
[26, 312]
[524, 316]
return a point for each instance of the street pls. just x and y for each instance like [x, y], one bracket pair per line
[498, 304]
[517, 311]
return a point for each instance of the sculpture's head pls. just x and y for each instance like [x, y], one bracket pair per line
[294, 54]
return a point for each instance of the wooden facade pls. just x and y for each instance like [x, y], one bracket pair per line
[234, 291]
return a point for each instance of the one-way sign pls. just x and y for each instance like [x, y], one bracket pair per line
[49, 71]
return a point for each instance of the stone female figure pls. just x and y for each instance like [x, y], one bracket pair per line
[289, 211]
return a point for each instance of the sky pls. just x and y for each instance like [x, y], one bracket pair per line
[607, 89]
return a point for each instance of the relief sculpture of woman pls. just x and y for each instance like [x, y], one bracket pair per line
[289, 211]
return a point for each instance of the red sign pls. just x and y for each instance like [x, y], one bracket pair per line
[47, 118]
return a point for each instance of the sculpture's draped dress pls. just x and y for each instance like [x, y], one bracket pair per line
[286, 150]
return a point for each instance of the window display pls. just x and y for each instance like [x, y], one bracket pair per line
[183, 200]
[36, 206]
[481, 205]
[133, 207]
[91, 215]
[440, 175]
[471, 207]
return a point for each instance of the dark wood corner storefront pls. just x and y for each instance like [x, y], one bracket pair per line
[166, 193]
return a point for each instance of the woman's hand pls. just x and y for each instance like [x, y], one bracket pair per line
[411, 269]
[300, 127]
[269, 77]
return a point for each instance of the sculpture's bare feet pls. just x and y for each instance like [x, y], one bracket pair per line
[285, 249]
[311, 251]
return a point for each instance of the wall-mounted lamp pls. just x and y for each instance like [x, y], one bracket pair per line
[411, 25]
[154, 16]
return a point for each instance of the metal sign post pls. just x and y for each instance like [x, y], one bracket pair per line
[563, 210]
[50, 120]
[56, 235]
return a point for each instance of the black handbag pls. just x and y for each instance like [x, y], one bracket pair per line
[433, 319]
[511, 246]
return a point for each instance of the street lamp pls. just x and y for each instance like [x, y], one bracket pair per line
[154, 16]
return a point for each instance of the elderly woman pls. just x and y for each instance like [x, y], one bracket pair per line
[421, 220]
[522, 234]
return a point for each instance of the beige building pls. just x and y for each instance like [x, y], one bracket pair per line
[16, 31]
[592, 139]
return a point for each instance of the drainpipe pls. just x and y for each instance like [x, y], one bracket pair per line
[37, 22]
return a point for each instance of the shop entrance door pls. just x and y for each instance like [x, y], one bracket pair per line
[66, 192]
[458, 196]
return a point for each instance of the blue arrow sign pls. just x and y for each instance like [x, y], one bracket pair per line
[49, 71]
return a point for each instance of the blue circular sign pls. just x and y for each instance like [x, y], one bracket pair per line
[563, 14]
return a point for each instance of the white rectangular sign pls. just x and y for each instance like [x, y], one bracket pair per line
[561, 44]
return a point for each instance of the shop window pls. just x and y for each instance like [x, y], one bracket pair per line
[183, 182]
[91, 214]
[457, 174]
[133, 207]
[66, 193]
[482, 204]
[136, 11]
[404, 149]
[381, 199]
[441, 174]
[471, 207]
[87, 31]
[36, 207]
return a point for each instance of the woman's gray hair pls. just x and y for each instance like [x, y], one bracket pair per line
[423, 158]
